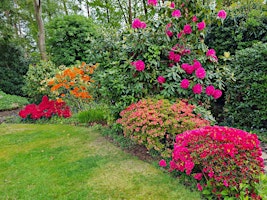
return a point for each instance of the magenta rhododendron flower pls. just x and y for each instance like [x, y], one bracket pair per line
[187, 29]
[172, 5]
[222, 14]
[199, 187]
[161, 79]
[197, 89]
[137, 23]
[169, 33]
[176, 13]
[194, 19]
[152, 2]
[179, 35]
[162, 163]
[139, 65]
[200, 73]
[197, 64]
[189, 69]
[184, 83]
[217, 94]
[210, 90]
[201, 25]
[211, 53]
[198, 176]
[225, 183]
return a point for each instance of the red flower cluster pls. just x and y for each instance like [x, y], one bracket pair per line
[155, 123]
[226, 157]
[46, 109]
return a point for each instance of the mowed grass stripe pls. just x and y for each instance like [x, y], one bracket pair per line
[67, 162]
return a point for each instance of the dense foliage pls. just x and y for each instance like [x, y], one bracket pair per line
[13, 66]
[155, 123]
[69, 39]
[46, 109]
[35, 79]
[9, 102]
[246, 99]
[226, 161]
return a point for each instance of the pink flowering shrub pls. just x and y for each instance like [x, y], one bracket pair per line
[46, 109]
[155, 123]
[223, 160]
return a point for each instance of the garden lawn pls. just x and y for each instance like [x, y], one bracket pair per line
[67, 162]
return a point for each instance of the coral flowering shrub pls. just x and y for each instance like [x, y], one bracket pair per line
[222, 158]
[155, 123]
[46, 109]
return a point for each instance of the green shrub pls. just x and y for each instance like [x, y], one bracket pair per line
[155, 123]
[13, 66]
[35, 85]
[8, 102]
[69, 39]
[246, 99]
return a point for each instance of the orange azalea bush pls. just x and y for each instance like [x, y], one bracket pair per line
[72, 84]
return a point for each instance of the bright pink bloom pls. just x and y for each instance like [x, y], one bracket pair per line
[161, 79]
[201, 25]
[197, 89]
[162, 163]
[176, 13]
[222, 14]
[169, 33]
[189, 69]
[177, 58]
[199, 187]
[211, 53]
[198, 176]
[179, 35]
[197, 64]
[137, 23]
[143, 25]
[187, 29]
[194, 19]
[217, 94]
[200, 73]
[184, 83]
[152, 2]
[210, 90]
[225, 183]
[172, 5]
[171, 55]
[139, 65]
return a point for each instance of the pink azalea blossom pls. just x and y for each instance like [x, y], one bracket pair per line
[162, 163]
[198, 176]
[201, 25]
[194, 19]
[200, 73]
[161, 79]
[187, 29]
[184, 83]
[210, 90]
[217, 94]
[197, 89]
[176, 13]
[199, 187]
[172, 5]
[152, 2]
[222, 14]
[139, 65]
[225, 183]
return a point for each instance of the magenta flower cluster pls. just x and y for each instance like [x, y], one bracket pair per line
[138, 24]
[139, 65]
[226, 157]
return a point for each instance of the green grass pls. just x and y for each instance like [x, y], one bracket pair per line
[8, 102]
[67, 162]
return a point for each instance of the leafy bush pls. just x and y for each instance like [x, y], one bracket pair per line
[155, 123]
[246, 99]
[69, 39]
[226, 161]
[72, 84]
[35, 86]
[46, 109]
[13, 66]
[8, 102]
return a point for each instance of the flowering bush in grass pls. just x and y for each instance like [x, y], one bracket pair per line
[155, 123]
[225, 161]
[72, 84]
[46, 109]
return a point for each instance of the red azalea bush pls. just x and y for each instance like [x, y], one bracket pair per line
[226, 161]
[46, 109]
[155, 123]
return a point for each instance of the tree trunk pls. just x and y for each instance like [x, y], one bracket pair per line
[88, 9]
[107, 11]
[130, 12]
[65, 7]
[41, 30]
[124, 16]
[145, 8]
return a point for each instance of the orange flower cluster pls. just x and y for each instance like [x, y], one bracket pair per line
[73, 81]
